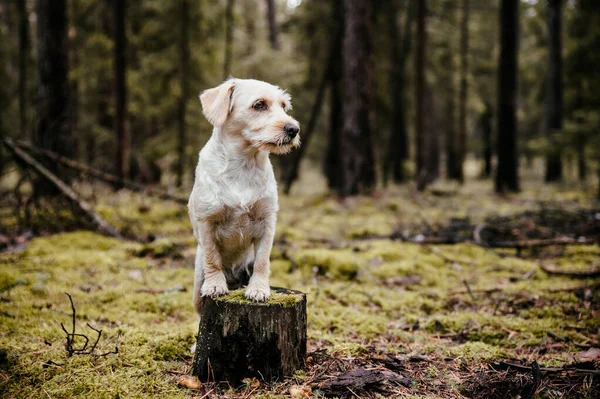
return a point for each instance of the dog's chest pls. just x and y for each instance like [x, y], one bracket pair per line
[238, 226]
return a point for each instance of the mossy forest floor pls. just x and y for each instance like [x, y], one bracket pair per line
[433, 319]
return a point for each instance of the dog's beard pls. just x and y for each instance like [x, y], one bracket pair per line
[281, 144]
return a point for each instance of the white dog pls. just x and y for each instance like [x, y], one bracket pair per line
[233, 206]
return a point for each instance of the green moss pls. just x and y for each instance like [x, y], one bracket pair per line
[334, 264]
[157, 249]
[477, 351]
[354, 300]
[281, 299]
[172, 347]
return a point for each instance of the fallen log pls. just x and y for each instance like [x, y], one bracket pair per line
[571, 273]
[100, 175]
[238, 338]
[86, 209]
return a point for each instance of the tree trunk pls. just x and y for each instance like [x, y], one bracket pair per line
[554, 99]
[432, 126]
[53, 105]
[238, 338]
[332, 163]
[23, 58]
[123, 142]
[249, 8]
[598, 193]
[486, 133]
[105, 90]
[228, 39]
[464, 69]
[336, 120]
[272, 22]
[507, 177]
[74, 46]
[581, 164]
[357, 156]
[423, 175]
[451, 142]
[398, 140]
[184, 54]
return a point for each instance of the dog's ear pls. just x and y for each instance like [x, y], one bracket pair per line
[216, 102]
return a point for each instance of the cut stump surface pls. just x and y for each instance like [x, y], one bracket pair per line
[238, 338]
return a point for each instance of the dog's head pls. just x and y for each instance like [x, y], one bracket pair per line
[257, 110]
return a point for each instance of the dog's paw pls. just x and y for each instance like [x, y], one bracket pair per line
[214, 287]
[257, 294]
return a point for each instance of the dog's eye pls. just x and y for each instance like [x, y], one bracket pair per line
[260, 105]
[283, 106]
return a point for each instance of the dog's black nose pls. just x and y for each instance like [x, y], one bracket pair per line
[291, 130]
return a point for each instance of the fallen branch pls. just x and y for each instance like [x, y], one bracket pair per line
[102, 176]
[577, 288]
[538, 243]
[156, 291]
[360, 379]
[506, 366]
[466, 284]
[101, 225]
[573, 273]
[476, 290]
[70, 338]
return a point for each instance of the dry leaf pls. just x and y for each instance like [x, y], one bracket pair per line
[188, 381]
[297, 391]
[251, 382]
[589, 355]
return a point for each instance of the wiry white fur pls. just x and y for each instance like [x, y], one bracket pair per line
[233, 205]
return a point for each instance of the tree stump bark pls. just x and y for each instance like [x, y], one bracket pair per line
[238, 338]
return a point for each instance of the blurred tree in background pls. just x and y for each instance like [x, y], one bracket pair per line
[410, 91]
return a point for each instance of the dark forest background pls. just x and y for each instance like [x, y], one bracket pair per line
[389, 91]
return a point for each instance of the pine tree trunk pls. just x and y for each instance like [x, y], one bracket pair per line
[332, 163]
[464, 69]
[123, 142]
[239, 339]
[250, 25]
[486, 132]
[507, 178]
[357, 156]
[272, 22]
[423, 177]
[23, 58]
[432, 126]
[105, 90]
[53, 104]
[451, 140]
[74, 83]
[336, 119]
[228, 38]
[581, 163]
[554, 100]
[398, 140]
[183, 83]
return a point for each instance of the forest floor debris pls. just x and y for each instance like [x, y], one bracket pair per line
[417, 320]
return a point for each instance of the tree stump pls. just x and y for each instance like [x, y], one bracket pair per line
[238, 338]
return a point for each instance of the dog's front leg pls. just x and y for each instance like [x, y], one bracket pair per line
[214, 283]
[259, 289]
